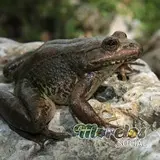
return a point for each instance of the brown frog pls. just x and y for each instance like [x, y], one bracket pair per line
[63, 72]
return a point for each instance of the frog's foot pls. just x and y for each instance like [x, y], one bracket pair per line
[42, 137]
[29, 112]
[55, 135]
[125, 69]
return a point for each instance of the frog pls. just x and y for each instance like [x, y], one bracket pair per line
[61, 72]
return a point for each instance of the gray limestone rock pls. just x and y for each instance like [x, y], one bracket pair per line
[137, 104]
[152, 53]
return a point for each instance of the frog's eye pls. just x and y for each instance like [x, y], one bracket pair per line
[110, 44]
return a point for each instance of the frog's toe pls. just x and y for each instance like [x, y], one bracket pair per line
[62, 136]
[56, 136]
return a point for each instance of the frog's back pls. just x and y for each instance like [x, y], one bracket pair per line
[22, 64]
[55, 56]
[70, 45]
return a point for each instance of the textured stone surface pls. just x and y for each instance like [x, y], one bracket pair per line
[137, 103]
[9, 48]
[152, 53]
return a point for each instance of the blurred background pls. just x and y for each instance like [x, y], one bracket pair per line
[42, 20]
[31, 20]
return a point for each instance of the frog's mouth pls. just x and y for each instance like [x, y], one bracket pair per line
[117, 57]
[124, 56]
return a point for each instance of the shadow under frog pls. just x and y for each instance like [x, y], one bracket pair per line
[62, 72]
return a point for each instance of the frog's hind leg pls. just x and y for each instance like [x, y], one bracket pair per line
[29, 112]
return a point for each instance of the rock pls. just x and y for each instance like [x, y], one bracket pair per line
[138, 99]
[153, 43]
[106, 93]
[7, 40]
[23, 48]
[136, 105]
[10, 49]
[153, 60]
[4, 47]
[152, 53]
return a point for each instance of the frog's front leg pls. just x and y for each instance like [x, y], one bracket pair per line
[79, 105]
[28, 111]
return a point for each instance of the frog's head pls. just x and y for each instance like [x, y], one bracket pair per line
[114, 50]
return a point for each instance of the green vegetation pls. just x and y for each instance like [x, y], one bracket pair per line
[27, 20]
[148, 12]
